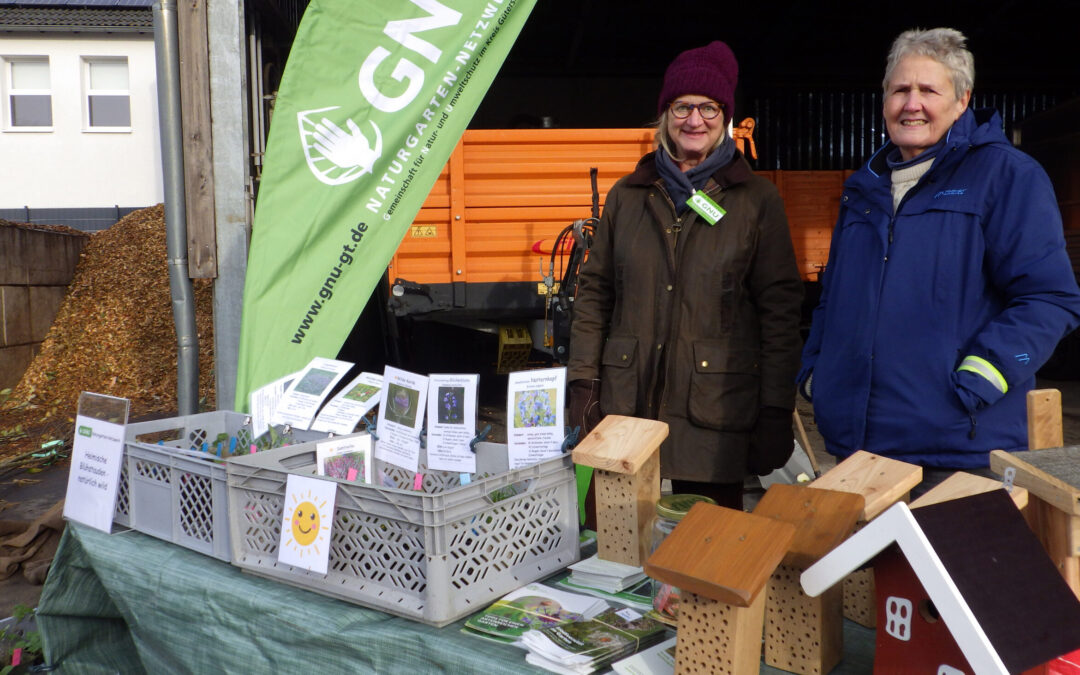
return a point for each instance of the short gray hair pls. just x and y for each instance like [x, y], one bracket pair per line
[947, 46]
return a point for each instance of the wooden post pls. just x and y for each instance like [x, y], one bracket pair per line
[720, 559]
[625, 453]
[804, 634]
[882, 482]
[1044, 419]
[198, 145]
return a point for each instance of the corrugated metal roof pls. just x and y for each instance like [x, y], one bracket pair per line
[75, 19]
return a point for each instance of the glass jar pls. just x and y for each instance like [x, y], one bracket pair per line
[670, 509]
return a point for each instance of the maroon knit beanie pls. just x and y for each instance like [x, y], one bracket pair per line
[706, 71]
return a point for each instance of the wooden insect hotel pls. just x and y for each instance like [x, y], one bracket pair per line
[882, 482]
[804, 634]
[625, 454]
[720, 559]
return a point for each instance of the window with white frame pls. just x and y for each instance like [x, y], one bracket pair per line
[29, 93]
[108, 96]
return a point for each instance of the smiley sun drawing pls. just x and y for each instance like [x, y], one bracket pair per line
[306, 529]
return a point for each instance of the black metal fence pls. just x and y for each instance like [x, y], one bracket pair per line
[831, 130]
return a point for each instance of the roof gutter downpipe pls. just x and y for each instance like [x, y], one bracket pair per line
[167, 51]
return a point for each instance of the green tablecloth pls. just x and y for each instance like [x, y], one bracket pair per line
[130, 603]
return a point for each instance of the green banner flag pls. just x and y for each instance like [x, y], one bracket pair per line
[374, 97]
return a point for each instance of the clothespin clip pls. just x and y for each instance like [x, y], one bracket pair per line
[745, 132]
[479, 437]
[571, 439]
[1008, 478]
[369, 426]
[232, 445]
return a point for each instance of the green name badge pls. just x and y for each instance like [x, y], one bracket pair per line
[705, 207]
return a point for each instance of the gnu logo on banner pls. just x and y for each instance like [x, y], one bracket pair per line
[335, 155]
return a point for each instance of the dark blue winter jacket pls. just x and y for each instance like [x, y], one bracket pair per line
[933, 321]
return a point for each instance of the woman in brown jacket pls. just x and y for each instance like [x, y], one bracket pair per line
[688, 306]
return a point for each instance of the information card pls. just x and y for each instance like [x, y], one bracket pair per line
[342, 413]
[97, 457]
[264, 403]
[401, 417]
[346, 458]
[452, 422]
[534, 415]
[307, 392]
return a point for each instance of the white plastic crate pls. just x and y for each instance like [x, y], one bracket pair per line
[434, 555]
[169, 488]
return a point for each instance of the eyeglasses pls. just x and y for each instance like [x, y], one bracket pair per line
[708, 110]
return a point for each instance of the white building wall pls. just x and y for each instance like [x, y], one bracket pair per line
[72, 166]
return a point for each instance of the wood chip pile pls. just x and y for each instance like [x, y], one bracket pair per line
[114, 334]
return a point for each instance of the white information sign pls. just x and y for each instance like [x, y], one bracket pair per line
[534, 415]
[264, 403]
[341, 414]
[401, 417]
[306, 523]
[96, 458]
[451, 422]
[307, 392]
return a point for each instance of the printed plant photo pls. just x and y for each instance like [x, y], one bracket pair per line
[315, 382]
[362, 392]
[401, 404]
[531, 611]
[535, 408]
[338, 466]
[451, 405]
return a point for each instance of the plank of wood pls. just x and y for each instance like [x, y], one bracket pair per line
[721, 553]
[1059, 533]
[1036, 469]
[964, 484]
[198, 145]
[621, 444]
[1044, 419]
[880, 480]
[805, 440]
[822, 519]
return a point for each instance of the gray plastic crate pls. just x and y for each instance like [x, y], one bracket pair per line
[434, 555]
[169, 488]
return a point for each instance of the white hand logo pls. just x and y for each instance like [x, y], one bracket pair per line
[334, 155]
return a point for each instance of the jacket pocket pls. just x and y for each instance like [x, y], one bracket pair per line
[619, 376]
[725, 387]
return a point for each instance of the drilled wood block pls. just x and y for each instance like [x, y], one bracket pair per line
[860, 604]
[802, 634]
[625, 504]
[715, 637]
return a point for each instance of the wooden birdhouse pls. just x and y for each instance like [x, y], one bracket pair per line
[720, 559]
[963, 587]
[805, 634]
[882, 482]
[1052, 478]
[625, 453]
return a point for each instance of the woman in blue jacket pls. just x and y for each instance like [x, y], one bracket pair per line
[948, 284]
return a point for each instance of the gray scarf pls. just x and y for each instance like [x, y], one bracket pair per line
[680, 185]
